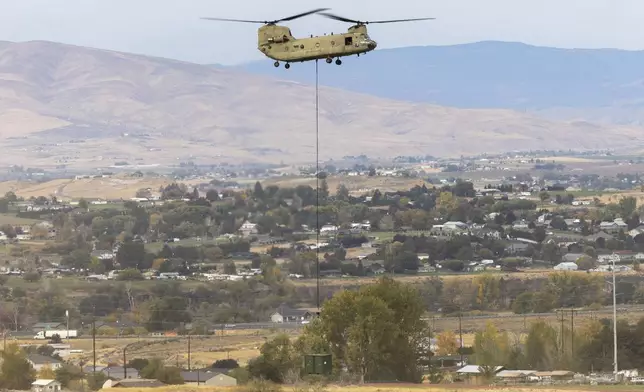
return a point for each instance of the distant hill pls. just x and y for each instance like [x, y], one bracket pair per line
[599, 85]
[82, 107]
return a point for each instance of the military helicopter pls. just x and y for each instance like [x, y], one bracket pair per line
[276, 42]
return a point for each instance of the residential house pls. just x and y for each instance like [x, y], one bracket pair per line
[328, 229]
[573, 224]
[449, 228]
[608, 258]
[285, 314]
[613, 227]
[103, 254]
[522, 225]
[636, 231]
[598, 235]
[41, 361]
[517, 247]
[361, 226]
[455, 226]
[625, 256]
[44, 385]
[120, 373]
[210, 378]
[247, 229]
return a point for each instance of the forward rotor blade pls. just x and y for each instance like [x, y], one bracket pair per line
[237, 20]
[302, 14]
[398, 20]
[340, 18]
[343, 19]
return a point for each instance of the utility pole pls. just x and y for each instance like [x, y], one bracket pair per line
[124, 363]
[67, 316]
[94, 335]
[189, 352]
[561, 320]
[460, 332]
[572, 331]
[614, 321]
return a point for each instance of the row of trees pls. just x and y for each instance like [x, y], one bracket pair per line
[377, 333]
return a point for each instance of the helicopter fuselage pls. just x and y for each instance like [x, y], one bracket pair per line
[277, 43]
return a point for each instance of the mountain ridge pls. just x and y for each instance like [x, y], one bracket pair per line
[75, 106]
[603, 85]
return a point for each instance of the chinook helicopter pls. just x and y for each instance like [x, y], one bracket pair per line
[276, 42]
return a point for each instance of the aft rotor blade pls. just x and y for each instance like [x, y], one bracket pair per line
[301, 15]
[237, 20]
[340, 18]
[398, 20]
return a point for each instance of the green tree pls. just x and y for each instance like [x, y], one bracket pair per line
[15, 372]
[523, 303]
[212, 195]
[541, 348]
[342, 193]
[96, 380]
[230, 268]
[377, 331]
[155, 369]
[277, 358]
[68, 373]
[491, 347]
[258, 191]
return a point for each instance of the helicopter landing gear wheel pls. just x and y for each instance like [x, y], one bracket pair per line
[276, 64]
[287, 65]
[329, 60]
[338, 61]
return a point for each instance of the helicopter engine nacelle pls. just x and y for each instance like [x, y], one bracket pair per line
[272, 34]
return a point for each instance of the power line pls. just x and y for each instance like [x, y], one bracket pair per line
[317, 185]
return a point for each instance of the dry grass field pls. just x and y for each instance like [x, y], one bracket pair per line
[401, 388]
[355, 185]
[524, 275]
[238, 345]
[116, 187]
[616, 197]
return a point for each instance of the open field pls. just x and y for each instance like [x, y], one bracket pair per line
[10, 219]
[115, 187]
[616, 197]
[239, 345]
[523, 275]
[354, 184]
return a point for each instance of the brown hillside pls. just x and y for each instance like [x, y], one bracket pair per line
[89, 108]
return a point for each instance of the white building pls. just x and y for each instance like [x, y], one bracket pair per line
[566, 266]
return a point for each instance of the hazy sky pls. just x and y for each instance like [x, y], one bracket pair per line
[172, 28]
